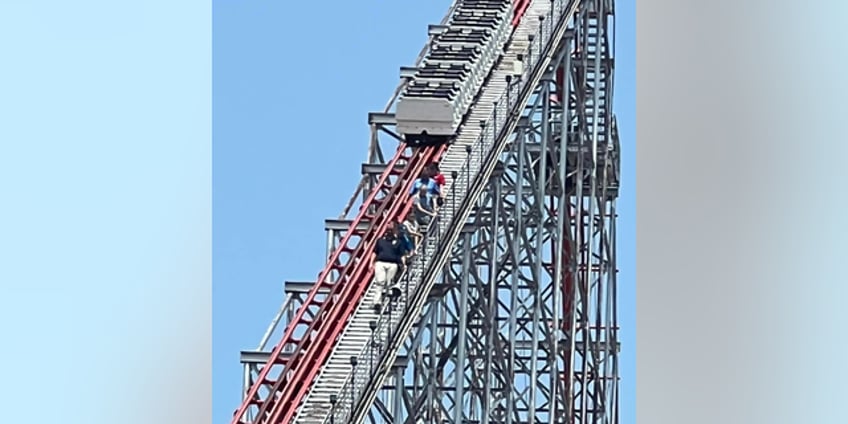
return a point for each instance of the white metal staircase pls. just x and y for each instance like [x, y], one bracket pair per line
[547, 35]
[335, 376]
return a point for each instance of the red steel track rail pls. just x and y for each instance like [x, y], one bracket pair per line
[334, 310]
[518, 11]
[321, 331]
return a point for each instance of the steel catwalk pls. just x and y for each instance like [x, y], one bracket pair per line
[522, 326]
[519, 324]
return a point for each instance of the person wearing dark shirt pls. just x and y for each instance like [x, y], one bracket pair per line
[387, 258]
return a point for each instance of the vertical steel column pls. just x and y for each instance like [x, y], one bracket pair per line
[462, 330]
[431, 375]
[389, 396]
[537, 345]
[516, 261]
[493, 292]
[541, 184]
[580, 289]
[563, 219]
[596, 73]
[331, 245]
[246, 383]
[398, 398]
[612, 328]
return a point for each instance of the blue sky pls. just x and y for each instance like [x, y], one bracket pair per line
[292, 86]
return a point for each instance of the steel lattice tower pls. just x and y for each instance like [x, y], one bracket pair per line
[521, 326]
[534, 271]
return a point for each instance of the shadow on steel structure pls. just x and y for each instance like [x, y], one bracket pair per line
[522, 325]
[519, 324]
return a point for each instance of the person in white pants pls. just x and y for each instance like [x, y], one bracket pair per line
[387, 257]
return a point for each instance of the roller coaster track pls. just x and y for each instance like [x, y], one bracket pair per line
[326, 367]
[363, 383]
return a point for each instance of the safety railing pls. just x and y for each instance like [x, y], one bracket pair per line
[371, 361]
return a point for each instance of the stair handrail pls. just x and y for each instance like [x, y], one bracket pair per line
[348, 400]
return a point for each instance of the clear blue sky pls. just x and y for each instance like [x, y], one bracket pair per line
[292, 86]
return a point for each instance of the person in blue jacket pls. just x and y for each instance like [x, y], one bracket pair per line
[426, 180]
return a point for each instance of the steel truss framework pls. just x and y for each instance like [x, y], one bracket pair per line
[534, 270]
[383, 138]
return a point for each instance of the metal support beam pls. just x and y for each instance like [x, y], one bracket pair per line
[521, 324]
[298, 287]
[522, 327]
[434, 30]
[373, 170]
[408, 72]
[254, 357]
[381, 118]
[332, 224]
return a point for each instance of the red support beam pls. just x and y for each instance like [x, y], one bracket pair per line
[334, 310]
[519, 9]
[568, 286]
[560, 84]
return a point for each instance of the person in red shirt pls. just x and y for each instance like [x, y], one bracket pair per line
[437, 175]
[433, 169]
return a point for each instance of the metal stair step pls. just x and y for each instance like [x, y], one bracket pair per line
[357, 333]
